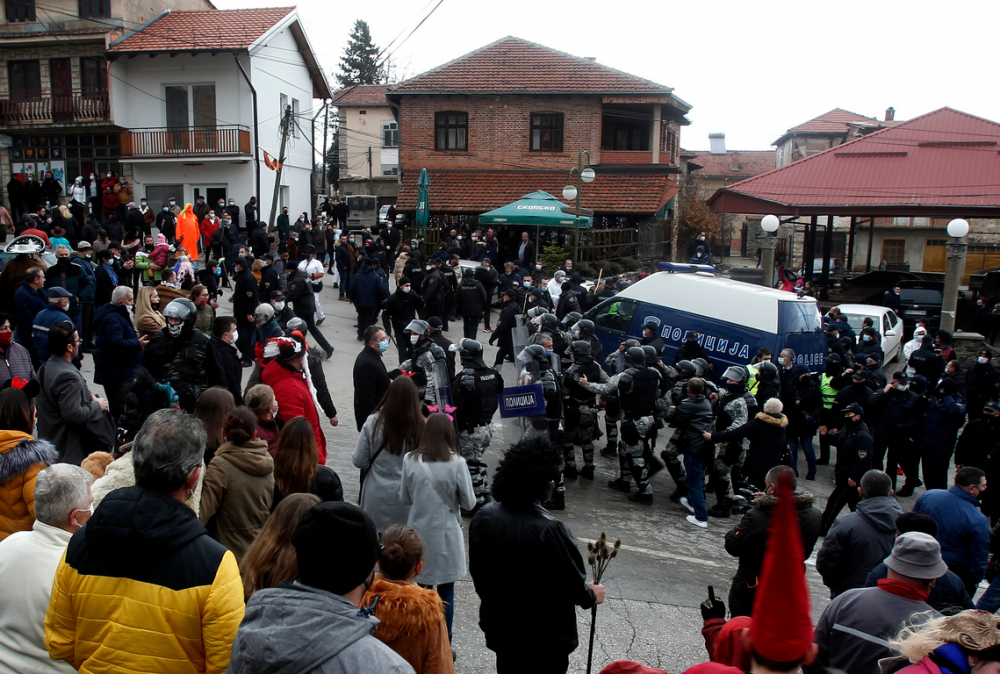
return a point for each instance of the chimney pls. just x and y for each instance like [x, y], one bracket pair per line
[717, 142]
[590, 58]
[890, 114]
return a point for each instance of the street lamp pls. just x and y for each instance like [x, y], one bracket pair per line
[957, 229]
[770, 224]
[572, 193]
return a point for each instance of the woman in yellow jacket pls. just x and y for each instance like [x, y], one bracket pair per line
[188, 232]
[22, 457]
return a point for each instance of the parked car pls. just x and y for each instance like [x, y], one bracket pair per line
[885, 320]
[383, 216]
[837, 268]
[921, 300]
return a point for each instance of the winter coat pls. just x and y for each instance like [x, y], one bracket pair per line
[471, 298]
[411, 622]
[78, 283]
[236, 498]
[963, 531]
[943, 418]
[924, 666]
[854, 631]
[28, 562]
[767, 445]
[28, 303]
[21, 459]
[894, 413]
[803, 407]
[371, 381]
[692, 417]
[143, 588]
[977, 440]
[856, 543]
[65, 407]
[298, 628]
[400, 309]
[527, 548]
[437, 521]
[15, 361]
[380, 490]
[118, 352]
[948, 596]
[188, 232]
[227, 357]
[367, 289]
[747, 540]
[295, 399]
[300, 293]
[120, 473]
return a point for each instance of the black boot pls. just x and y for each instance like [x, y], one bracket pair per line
[569, 471]
[610, 451]
[557, 502]
[674, 467]
[621, 484]
[644, 499]
[587, 472]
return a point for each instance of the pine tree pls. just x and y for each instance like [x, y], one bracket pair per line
[359, 64]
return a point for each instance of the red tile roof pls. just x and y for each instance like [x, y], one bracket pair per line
[363, 94]
[202, 31]
[481, 191]
[513, 65]
[733, 164]
[834, 122]
[943, 163]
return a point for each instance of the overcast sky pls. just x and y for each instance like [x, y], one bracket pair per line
[748, 69]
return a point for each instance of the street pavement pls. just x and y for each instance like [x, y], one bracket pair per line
[654, 586]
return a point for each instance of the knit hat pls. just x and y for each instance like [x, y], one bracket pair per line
[435, 322]
[160, 238]
[729, 648]
[337, 545]
[782, 629]
[404, 281]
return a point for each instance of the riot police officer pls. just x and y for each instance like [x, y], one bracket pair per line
[580, 409]
[615, 363]
[585, 328]
[425, 356]
[671, 456]
[475, 392]
[855, 447]
[534, 354]
[732, 413]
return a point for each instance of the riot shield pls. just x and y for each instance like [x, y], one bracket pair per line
[442, 386]
[521, 401]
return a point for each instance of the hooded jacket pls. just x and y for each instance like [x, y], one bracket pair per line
[857, 543]
[296, 628]
[767, 444]
[367, 289]
[411, 622]
[236, 497]
[21, 459]
[143, 588]
[188, 232]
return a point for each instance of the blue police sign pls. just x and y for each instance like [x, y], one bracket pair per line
[522, 401]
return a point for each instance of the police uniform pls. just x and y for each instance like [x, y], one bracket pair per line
[425, 354]
[581, 411]
[855, 447]
[475, 392]
[615, 362]
[733, 413]
[673, 455]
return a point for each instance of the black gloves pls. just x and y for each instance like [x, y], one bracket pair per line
[712, 607]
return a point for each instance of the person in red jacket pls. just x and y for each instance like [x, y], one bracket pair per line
[292, 386]
[208, 227]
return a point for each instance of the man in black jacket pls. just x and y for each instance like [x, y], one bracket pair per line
[488, 276]
[260, 241]
[927, 362]
[252, 214]
[692, 418]
[855, 447]
[245, 300]
[371, 380]
[748, 539]
[508, 542]
[434, 291]
[505, 327]
[226, 356]
[471, 302]
[402, 307]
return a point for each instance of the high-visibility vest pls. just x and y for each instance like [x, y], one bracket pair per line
[752, 379]
[829, 393]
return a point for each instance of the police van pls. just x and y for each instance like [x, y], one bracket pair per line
[732, 318]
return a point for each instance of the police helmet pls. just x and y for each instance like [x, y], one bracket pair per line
[550, 321]
[735, 373]
[629, 343]
[534, 352]
[181, 308]
[571, 319]
[701, 365]
[586, 327]
[535, 312]
[635, 356]
[469, 348]
[418, 327]
[686, 369]
[262, 314]
[767, 372]
[651, 355]
[294, 324]
[580, 348]
[620, 286]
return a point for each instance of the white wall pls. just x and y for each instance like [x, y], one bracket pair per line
[237, 177]
[365, 131]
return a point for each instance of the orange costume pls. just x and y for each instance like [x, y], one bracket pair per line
[188, 232]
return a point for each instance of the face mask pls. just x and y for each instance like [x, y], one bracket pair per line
[232, 203]
[866, 338]
[782, 361]
[538, 267]
[155, 305]
[427, 268]
[142, 203]
[109, 175]
[166, 208]
[383, 346]
[236, 336]
[6, 337]
[526, 284]
[174, 330]
[63, 261]
[903, 387]
[405, 289]
[172, 202]
[274, 414]
[118, 257]
[414, 339]
[734, 387]
[218, 271]
[351, 240]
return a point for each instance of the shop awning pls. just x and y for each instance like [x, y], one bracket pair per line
[538, 209]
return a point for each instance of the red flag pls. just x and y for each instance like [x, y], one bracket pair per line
[271, 163]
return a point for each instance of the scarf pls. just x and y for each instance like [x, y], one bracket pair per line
[111, 273]
[901, 589]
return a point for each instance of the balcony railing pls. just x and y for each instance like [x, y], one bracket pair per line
[164, 142]
[56, 110]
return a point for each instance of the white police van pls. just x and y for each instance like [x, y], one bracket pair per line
[732, 318]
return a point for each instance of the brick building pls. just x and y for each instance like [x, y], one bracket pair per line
[54, 83]
[512, 117]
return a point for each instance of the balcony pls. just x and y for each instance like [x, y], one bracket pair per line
[55, 110]
[185, 143]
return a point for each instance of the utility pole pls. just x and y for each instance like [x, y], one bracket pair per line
[370, 170]
[326, 150]
[286, 128]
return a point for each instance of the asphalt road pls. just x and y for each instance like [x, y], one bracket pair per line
[655, 585]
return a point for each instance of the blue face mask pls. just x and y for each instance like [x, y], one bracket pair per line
[218, 271]
[383, 346]
[867, 338]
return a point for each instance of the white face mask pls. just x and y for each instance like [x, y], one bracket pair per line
[983, 361]
[236, 336]
[279, 306]
[274, 412]
[405, 289]
[414, 339]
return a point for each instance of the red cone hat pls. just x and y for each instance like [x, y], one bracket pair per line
[782, 629]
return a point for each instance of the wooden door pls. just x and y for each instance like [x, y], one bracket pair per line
[935, 255]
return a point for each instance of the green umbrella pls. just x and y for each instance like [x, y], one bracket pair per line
[538, 209]
[423, 208]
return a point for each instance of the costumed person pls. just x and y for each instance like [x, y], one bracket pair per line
[188, 232]
[289, 378]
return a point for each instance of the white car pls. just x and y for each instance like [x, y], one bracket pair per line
[885, 321]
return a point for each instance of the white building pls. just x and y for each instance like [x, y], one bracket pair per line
[194, 125]
[369, 142]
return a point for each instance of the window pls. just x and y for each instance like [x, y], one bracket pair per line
[452, 130]
[190, 106]
[886, 326]
[616, 315]
[25, 80]
[295, 118]
[20, 10]
[390, 135]
[95, 9]
[94, 76]
[388, 170]
[61, 79]
[624, 133]
[546, 133]
[893, 250]
[284, 104]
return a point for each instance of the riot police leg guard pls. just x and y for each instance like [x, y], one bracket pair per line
[671, 457]
[558, 500]
[636, 456]
[612, 415]
[572, 436]
[473, 444]
[630, 438]
[588, 422]
[722, 472]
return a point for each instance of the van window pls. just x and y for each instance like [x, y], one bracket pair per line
[616, 315]
[921, 295]
[799, 317]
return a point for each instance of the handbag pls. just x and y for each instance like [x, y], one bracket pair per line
[439, 488]
[364, 473]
